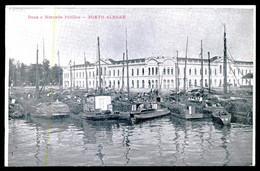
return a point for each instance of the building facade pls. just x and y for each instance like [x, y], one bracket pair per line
[157, 72]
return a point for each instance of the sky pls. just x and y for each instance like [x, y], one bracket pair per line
[151, 31]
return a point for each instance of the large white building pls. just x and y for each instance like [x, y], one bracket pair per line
[150, 73]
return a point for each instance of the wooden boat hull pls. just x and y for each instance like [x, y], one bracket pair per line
[149, 115]
[49, 116]
[223, 120]
[188, 116]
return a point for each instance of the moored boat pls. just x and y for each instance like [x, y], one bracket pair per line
[142, 111]
[221, 117]
[185, 111]
[51, 110]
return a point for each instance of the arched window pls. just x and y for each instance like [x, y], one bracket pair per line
[152, 71]
[171, 71]
[168, 71]
[172, 83]
[164, 71]
[168, 84]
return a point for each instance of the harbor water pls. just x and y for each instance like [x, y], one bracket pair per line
[165, 141]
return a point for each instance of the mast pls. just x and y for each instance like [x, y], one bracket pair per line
[59, 70]
[209, 69]
[74, 75]
[86, 72]
[177, 74]
[225, 62]
[184, 85]
[123, 72]
[201, 71]
[70, 77]
[43, 49]
[127, 69]
[99, 73]
[37, 75]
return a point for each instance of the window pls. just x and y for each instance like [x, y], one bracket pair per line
[93, 74]
[109, 84]
[164, 71]
[80, 75]
[164, 83]
[189, 71]
[118, 84]
[195, 83]
[220, 83]
[156, 71]
[149, 71]
[137, 84]
[132, 72]
[143, 71]
[114, 83]
[215, 71]
[137, 73]
[109, 73]
[168, 71]
[195, 71]
[89, 74]
[149, 83]
[117, 72]
[152, 83]
[189, 83]
[172, 83]
[83, 74]
[171, 71]
[220, 69]
[114, 73]
[105, 71]
[101, 71]
[97, 71]
[206, 83]
[76, 75]
[156, 83]
[133, 84]
[142, 83]
[152, 71]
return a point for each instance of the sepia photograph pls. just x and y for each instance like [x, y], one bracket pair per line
[118, 85]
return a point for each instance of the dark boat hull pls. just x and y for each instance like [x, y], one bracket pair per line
[223, 120]
[149, 115]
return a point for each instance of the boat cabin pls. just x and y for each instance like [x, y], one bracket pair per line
[97, 102]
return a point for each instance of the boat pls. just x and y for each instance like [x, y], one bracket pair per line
[98, 107]
[55, 109]
[221, 117]
[142, 111]
[185, 111]
[210, 107]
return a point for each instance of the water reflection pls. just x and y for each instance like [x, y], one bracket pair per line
[166, 141]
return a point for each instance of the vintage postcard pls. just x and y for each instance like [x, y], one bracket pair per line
[130, 85]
